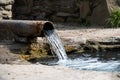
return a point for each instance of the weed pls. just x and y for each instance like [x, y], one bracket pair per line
[114, 19]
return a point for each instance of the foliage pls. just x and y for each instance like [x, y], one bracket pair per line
[114, 19]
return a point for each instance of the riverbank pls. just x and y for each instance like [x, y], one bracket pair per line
[92, 38]
[75, 39]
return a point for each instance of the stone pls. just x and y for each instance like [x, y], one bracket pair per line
[84, 9]
[22, 17]
[22, 10]
[100, 13]
[22, 7]
[57, 19]
[62, 14]
[1, 8]
[23, 3]
[40, 16]
[71, 19]
[8, 7]
[5, 2]
[7, 14]
[0, 16]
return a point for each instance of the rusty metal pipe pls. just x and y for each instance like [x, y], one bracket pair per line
[26, 28]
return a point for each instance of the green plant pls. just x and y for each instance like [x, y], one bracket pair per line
[114, 19]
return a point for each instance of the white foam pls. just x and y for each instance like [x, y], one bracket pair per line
[92, 64]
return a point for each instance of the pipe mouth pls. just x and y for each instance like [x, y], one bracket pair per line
[48, 26]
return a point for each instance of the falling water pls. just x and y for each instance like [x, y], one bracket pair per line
[55, 44]
[81, 63]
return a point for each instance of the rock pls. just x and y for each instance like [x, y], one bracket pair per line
[84, 9]
[8, 7]
[22, 17]
[71, 19]
[23, 6]
[5, 2]
[1, 8]
[22, 10]
[35, 8]
[105, 41]
[7, 14]
[62, 14]
[0, 15]
[40, 16]
[6, 56]
[103, 8]
[57, 19]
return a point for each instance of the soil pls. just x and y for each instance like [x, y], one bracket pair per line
[82, 32]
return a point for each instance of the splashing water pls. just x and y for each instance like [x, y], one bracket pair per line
[92, 64]
[55, 44]
[78, 63]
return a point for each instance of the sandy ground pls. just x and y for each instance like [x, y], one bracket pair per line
[43, 72]
[89, 33]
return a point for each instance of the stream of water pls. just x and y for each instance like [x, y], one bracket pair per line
[56, 45]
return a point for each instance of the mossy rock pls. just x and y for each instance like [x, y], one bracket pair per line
[36, 51]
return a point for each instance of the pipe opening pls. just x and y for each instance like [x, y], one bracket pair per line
[48, 26]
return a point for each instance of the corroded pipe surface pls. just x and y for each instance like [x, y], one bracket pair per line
[26, 28]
